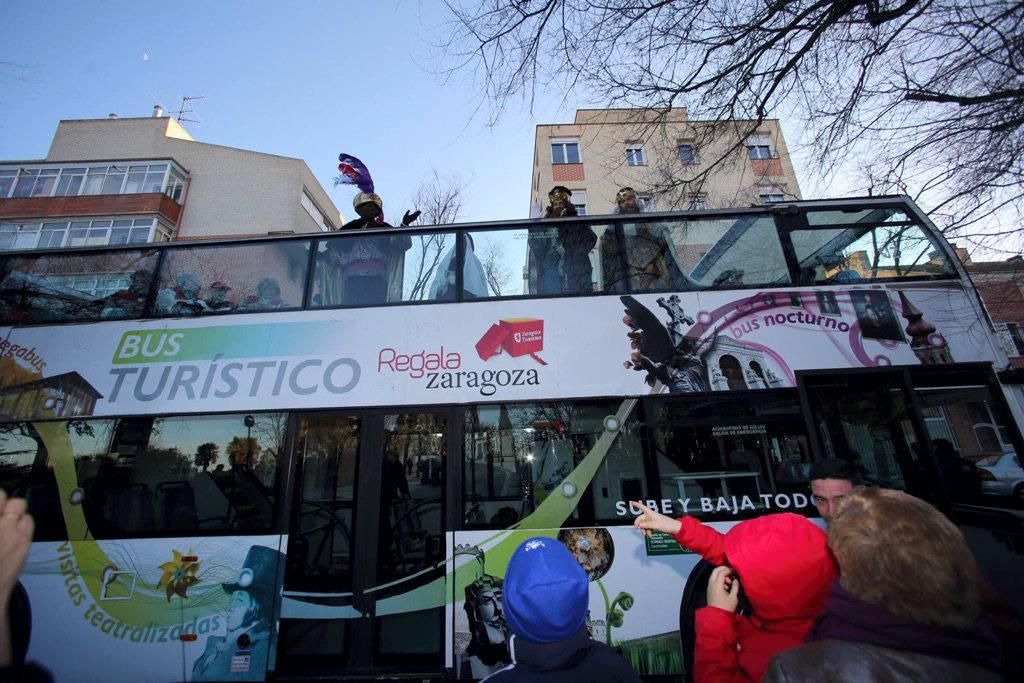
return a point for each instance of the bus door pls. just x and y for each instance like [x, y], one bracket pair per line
[364, 588]
[869, 419]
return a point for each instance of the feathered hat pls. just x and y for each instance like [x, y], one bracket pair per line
[354, 172]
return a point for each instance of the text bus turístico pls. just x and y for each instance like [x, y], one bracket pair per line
[235, 470]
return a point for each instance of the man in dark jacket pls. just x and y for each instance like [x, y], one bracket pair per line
[905, 607]
[545, 602]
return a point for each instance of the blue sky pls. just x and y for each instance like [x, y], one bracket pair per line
[301, 79]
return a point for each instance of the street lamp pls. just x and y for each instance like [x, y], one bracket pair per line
[249, 422]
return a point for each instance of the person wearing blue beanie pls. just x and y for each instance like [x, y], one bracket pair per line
[545, 599]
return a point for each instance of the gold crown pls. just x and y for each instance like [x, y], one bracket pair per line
[625, 192]
[559, 192]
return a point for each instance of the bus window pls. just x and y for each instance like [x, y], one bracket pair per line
[725, 458]
[372, 269]
[320, 555]
[517, 455]
[866, 419]
[972, 444]
[75, 287]
[258, 276]
[184, 476]
[845, 254]
[28, 470]
[686, 255]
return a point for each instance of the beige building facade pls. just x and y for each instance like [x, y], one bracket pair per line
[117, 181]
[673, 162]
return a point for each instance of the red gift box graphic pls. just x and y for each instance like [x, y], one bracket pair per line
[515, 336]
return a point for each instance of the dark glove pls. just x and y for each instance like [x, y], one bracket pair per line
[410, 217]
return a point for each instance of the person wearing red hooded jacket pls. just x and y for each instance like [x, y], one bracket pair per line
[785, 568]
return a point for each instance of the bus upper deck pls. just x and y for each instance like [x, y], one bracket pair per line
[308, 455]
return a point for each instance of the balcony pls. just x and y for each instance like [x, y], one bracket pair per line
[92, 205]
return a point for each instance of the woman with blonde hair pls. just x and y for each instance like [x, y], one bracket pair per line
[905, 607]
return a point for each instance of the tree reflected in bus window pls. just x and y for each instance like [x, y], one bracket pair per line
[75, 287]
[519, 455]
[183, 476]
[28, 469]
[253, 277]
[845, 254]
[321, 552]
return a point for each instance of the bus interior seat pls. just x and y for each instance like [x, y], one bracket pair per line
[176, 502]
[43, 503]
[130, 507]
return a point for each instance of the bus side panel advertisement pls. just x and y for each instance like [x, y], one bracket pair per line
[506, 350]
[198, 609]
[634, 590]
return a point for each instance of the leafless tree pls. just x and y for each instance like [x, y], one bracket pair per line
[441, 201]
[496, 269]
[929, 92]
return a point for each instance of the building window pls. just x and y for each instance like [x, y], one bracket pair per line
[579, 200]
[175, 186]
[85, 233]
[688, 155]
[315, 213]
[759, 147]
[1012, 338]
[635, 156]
[565, 152]
[771, 195]
[81, 180]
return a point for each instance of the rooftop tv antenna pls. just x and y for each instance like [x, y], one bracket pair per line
[186, 108]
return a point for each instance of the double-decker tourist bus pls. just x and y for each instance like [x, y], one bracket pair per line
[313, 455]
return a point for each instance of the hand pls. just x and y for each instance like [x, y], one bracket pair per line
[724, 589]
[16, 527]
[649, 520]
[410, 217]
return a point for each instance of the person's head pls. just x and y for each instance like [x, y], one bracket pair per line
[944, 449]
[783, 563]
[268, 289]
[626, 202]
[188, 284]
[368, 205]
[219, 290]
[832, 480]
[545, 592]
[139, 282]
[899, 552]
[560, 202]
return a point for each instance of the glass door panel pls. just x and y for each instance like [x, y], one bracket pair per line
[317, 611]
[411, 547]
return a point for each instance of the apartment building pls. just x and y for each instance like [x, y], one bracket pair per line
[139, 180]
[663, 155]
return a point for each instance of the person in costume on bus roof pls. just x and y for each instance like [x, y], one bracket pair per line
[650, 260]
[371, 268]
[905, 607]
[545, 596]
[784, 567]
[560, 256]
[182, 299]
[245, 646]
[130, 301]
[218, 300]
[267, 296]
